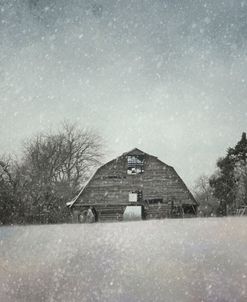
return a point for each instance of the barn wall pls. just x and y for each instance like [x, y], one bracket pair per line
[109, 189]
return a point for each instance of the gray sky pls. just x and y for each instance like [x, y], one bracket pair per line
[166, 76]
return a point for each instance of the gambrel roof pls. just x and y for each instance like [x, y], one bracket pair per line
[134, 151]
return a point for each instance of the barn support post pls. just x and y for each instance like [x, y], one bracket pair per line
[172, 208]
[195, 209]
[143, 213]
[95, 213]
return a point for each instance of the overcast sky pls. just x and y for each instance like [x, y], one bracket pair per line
[166, 76]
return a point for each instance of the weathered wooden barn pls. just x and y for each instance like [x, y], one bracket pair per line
[133, 179]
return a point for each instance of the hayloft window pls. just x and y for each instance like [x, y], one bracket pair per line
[135, 164]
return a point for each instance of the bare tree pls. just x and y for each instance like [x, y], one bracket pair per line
[204, 195]
[10, 202]
[56, 165]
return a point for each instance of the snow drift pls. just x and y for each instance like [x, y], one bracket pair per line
[168, 260]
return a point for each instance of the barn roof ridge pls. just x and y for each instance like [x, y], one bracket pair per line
[134, 149]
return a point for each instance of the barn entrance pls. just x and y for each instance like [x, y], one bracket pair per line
[133, 213]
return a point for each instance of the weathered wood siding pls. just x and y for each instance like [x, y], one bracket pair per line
[108, 190]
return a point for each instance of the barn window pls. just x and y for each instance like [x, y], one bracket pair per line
[135, 196]
[155, 200]
[132, 197]
[135, 164]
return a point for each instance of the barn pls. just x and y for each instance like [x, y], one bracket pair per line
[133, 179]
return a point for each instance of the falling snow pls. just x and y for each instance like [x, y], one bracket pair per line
[125, 67]
[165, 76]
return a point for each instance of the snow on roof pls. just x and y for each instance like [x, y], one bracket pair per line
[71, 203]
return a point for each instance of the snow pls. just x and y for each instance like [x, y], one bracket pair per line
[159, 260]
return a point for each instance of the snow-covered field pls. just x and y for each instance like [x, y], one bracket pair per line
[161, 260]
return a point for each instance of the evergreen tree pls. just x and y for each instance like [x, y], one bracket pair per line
[230, 181]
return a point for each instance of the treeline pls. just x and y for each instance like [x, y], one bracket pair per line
[54, 166]
[50, 172]
[225, 192]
